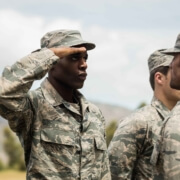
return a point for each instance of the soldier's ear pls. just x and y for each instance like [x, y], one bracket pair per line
[159, 77]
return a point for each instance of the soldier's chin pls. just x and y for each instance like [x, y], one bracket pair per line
[79, 86]
[175, 85]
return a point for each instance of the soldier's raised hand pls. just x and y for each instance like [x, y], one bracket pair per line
[65, 51]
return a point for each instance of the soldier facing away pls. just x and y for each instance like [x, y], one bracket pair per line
[131, 147]
[63, 135]
[166, 153]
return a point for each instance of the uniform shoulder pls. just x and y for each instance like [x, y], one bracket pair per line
[93, 107]
[140, 116]
[146, 111]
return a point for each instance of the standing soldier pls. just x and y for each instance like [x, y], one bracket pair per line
[63, 135]
[131, 147]
[166, 153]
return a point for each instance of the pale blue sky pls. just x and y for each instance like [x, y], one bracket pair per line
[135, 14]
[126, 32]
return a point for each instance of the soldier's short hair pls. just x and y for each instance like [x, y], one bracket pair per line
[161, 69]
[158, 62]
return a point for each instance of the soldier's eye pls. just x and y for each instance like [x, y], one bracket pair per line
[74, 58]
[86, 58]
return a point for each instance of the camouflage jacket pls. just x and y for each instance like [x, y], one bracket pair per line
[59, 142]
[166, 153]
[131, 147]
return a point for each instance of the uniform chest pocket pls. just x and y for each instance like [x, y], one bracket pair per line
[57, 146]
[57, 136]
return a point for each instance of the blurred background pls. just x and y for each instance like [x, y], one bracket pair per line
[125, 32]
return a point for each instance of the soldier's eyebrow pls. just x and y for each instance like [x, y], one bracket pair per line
[79, 55]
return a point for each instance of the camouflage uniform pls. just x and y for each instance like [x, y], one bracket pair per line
[131, 147]
[166, 153]
[61, 141]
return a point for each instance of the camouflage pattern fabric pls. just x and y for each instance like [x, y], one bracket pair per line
[166, 153]
[131, 147]
[157, 59]
[59, 142]
[67, 38]
[176, 49]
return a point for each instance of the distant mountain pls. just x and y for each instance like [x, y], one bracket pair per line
[112, 112]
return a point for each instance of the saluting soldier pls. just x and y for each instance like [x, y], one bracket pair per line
[63, 135]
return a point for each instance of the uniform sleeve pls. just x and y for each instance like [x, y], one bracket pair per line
[122, 151]
[106, 175]
[166, 153]
[16, 81]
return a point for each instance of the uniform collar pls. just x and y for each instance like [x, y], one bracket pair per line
[55, 99]
[50, 94]
[160, 107]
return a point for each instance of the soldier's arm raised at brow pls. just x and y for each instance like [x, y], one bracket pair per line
[16, 81]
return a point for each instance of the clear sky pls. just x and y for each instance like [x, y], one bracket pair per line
[125, 32]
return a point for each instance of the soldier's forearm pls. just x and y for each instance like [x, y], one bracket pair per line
[17, 79]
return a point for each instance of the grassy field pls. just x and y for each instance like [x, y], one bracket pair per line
[12, 175]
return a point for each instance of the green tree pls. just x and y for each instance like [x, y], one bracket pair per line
[142, 104]
[2, 166]
[13, 150]
[110, 131]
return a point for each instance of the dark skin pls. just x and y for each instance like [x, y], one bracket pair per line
[69, 73]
